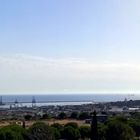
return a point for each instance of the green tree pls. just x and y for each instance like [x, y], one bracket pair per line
[101, 131]
[135, 125]
[41, 131]
[85, 132]
[28, 117]
[74, 115]
[72, 124]
[71, 133]
[57, 125]
[56, 133]
[84, 115]
[45, 116]
[62, 115]
[135, 115]
[58, 129]
[117, 130]
[12, 132]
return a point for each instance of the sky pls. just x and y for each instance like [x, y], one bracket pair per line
[69, 46]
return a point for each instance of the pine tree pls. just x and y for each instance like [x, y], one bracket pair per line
[23, 124]
[94, 131]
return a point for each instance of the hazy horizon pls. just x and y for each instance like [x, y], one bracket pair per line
[69, 47]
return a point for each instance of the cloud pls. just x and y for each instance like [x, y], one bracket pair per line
[25, 73]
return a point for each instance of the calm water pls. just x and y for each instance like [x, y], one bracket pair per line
[73, 99]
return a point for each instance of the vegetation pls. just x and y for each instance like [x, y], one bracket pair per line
[41, 131]
[62, 115]
[84, 115]
[70, 133]
[85, 132]
[27, 117]
[12, 132]
[116, 128]
[74, 115]
[72, 124]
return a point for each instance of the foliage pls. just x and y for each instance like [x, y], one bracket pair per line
[45, 116]
[84, 115]
[71, 133]
[101, 131]
[135, 115]
[135, 125]
[57, 125]
[27, 117]
[72, 124]
[85, 132]
[12, 132]
[62, 115]
[41, 131]
[57, 130]
[116, 130]
[74, 115]
[56, 133]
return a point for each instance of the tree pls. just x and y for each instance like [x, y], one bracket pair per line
[74, 115]
[58, 129]
[12, 132]
[7, 135]
[85, 132]
[101, 131]
[56, 133]
[117, 130]
[41, 131]
[94, 130]
[57, 125]
[84, 115]
[27, 117]
[45, 116]
[62, 115]
[71, 133]
[72, 124]
[135, 115]
[23, 124]
[135, 125]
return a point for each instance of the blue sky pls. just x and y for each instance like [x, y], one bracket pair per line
[76, 46]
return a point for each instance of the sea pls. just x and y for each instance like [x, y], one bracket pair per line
[62, 99]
